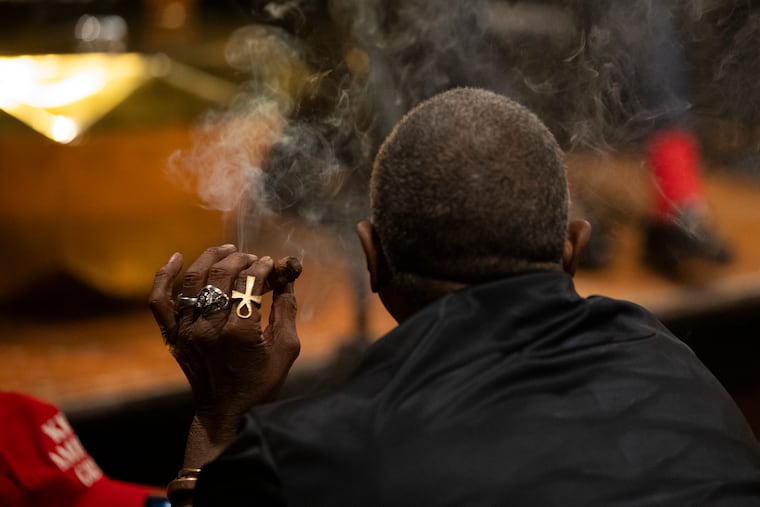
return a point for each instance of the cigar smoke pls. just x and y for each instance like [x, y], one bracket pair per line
[329, 79]
[254, 158]
[225, 162]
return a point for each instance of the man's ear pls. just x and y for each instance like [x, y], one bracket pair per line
[373, 251]
[578, 233]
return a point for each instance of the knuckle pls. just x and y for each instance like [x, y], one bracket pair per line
[161, 273]
[217, 272]
[193, 277]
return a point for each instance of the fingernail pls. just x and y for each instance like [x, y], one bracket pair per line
[228, 245]
[173, 257]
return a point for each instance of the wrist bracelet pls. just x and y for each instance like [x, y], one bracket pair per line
[188, 472]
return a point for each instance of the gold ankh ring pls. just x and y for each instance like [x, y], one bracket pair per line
[244, 309]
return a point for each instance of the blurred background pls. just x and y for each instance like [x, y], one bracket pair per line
[133, 129]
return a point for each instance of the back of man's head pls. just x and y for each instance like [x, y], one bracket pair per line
[469, 186]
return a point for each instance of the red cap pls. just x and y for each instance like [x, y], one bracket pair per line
[42, 462]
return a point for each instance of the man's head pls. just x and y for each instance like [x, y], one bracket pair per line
[469, 187]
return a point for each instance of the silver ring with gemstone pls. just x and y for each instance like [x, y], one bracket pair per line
[211, 299]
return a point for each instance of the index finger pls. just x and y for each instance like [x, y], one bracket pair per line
[160, 299]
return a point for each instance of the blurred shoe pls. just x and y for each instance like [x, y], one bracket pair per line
[670, 246]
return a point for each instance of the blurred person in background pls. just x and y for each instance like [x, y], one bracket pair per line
[678, 228]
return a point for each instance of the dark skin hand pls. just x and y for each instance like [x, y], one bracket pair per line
[231, 363]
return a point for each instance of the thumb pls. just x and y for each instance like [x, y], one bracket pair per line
[282, 320]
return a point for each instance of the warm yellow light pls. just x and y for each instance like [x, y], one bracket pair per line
[61, 95]
[57, 93]
[63, 130]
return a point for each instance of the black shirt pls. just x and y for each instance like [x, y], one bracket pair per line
[517, 392]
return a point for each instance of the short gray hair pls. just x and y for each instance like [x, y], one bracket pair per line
[469, 186]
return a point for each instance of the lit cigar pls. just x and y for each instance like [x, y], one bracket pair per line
[285, 270]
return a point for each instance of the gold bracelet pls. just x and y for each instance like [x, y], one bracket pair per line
[188, 472]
